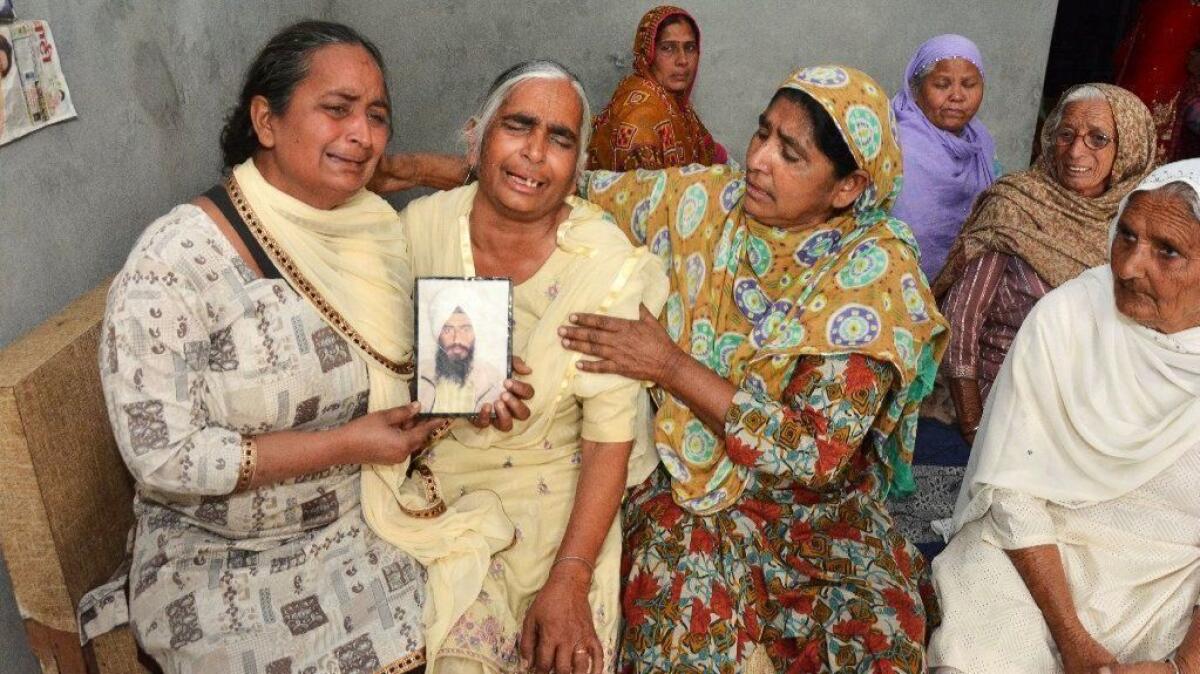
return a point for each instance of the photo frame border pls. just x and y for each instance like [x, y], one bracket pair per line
[417, 333]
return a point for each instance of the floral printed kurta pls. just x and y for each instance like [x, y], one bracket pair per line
[197, 352]
[807, 561]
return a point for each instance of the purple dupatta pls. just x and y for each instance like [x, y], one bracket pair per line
[943, 173]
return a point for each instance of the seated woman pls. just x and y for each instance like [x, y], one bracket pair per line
[254, 353]
[518, 530]
[1032, 231]
[650, 122]
[797, 342]
[949, 156]
[1076, 544]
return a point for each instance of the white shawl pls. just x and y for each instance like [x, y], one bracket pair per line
[1089, 405]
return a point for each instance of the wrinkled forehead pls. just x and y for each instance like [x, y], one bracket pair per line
[553, 102]
[1089, 114]
[953, 65]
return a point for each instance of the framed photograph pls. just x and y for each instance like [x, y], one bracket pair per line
[463, 343]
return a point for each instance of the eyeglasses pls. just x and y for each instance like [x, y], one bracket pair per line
[1095, 140]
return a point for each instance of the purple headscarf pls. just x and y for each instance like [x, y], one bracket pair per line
[943, 173]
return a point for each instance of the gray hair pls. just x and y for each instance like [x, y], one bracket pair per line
[536, 69]
[1179, 190]
[1081, 93]
[919, 76]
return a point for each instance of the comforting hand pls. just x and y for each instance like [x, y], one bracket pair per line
[511, 405]
[388, 436]
[394, 173]
[558, 635]
[639, 349]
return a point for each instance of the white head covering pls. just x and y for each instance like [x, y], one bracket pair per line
[445, 303]
[1089, 405]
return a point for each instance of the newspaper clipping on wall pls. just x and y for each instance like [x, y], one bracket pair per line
[33, 91]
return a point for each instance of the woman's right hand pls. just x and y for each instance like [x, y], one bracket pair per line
[1082, 654]
[399, 172]
[394, 173]
[968, 406]
[388, 436]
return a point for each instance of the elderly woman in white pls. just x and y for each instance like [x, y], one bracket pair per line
[1076, 537]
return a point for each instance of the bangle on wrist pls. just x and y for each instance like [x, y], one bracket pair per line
[1174, 665]
[248, 465]
[572, 558]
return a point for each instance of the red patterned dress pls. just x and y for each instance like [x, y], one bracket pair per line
[808, 561]
[645, 126]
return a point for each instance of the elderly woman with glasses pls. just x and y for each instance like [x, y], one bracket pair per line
[1076, 541]
[1032, 231]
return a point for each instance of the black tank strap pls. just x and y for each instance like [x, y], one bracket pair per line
[220, 197]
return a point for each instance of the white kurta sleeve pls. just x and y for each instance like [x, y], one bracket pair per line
[1017, 520]
[154, 360]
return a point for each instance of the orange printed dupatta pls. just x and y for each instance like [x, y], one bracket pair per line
[644, 125]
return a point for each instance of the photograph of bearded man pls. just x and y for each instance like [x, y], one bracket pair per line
[457, 373]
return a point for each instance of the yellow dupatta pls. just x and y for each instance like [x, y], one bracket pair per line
[455, 541]
[350, 262]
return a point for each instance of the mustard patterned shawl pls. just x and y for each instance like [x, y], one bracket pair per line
[760, 298]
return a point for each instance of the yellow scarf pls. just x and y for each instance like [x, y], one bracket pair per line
[351, 262]
[455, 541]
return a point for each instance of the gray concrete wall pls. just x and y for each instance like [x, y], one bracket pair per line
[443, 57]
[152, 81]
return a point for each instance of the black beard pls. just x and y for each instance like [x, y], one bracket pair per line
[454, 369]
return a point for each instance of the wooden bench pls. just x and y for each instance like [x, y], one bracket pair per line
[65, 495]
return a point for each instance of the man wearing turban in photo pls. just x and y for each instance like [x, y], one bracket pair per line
[456, 382]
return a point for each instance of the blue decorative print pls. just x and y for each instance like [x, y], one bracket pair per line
[818, 246]
[852, 326]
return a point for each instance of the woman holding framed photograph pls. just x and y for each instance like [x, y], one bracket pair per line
[254, 354]
[518, 530]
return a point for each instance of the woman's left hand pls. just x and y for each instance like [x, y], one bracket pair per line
[639, 349]
[558, 635]
[511, 404]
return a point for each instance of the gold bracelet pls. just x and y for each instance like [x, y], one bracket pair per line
[566, 558]
[248, 465]
[437, 435]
